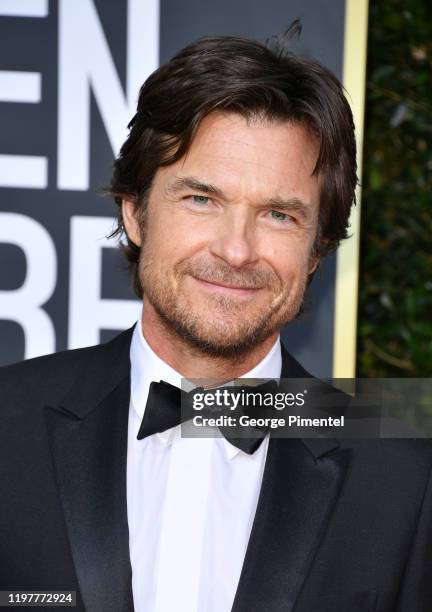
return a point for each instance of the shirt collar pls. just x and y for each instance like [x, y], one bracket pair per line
[147, 367]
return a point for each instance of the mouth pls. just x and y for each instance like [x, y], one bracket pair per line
[226, 288]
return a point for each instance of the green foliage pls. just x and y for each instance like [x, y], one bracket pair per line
[395, 306]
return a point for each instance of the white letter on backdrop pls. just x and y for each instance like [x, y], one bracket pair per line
[24, 305]
[88, 312]
[85, 62]
[22, 171]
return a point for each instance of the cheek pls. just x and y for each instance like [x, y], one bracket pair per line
[170, 222]
[289, 260]
[171, 242]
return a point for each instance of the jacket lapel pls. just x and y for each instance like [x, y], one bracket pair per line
[301, 484]
[88, 441]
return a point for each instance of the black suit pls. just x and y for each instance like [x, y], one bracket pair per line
[341, 526]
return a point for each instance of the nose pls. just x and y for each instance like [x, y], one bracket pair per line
[234, 241]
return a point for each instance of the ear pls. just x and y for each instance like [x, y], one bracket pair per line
[129, 213]
[313, 264]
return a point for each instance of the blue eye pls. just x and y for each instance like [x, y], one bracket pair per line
[279, 216]
[199, 199]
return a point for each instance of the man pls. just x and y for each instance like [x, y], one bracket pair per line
[236, 178]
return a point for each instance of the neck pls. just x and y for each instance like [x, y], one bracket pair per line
[191, 362]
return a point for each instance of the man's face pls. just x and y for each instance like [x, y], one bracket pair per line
[229, 230]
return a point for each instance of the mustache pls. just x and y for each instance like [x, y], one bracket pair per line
[223, 273]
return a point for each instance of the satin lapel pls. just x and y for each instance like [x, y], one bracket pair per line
[89, 456]
[301, 483]
[297, 497]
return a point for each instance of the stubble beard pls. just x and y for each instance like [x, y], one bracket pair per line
[223, 331]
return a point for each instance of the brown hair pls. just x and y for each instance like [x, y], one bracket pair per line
[254, 80]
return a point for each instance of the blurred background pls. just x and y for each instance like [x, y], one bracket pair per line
[395, 281]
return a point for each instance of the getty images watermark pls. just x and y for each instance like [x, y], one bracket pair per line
[308, 407]
[243, 400]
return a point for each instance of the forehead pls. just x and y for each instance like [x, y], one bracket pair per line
[255, 156]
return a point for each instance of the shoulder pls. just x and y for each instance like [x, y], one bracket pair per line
[402, 461]
[41, 375]
[49, 378]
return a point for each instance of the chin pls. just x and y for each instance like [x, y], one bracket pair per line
[223, 340]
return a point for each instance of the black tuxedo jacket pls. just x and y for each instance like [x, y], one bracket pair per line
[341, 525]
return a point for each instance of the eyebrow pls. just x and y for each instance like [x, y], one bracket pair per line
[290, 205]
[189, 182]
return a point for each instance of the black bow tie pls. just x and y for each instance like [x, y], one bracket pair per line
[168, 406]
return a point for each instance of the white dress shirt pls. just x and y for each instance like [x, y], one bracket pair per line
[190, 501]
